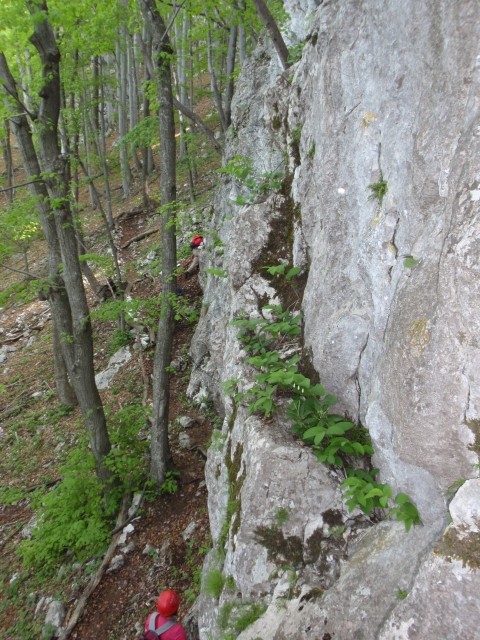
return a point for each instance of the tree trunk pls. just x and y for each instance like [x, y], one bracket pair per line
[121, 55]
[214, 83]
[58, 305]
[181, 35]
[148, 166]
[65, 391]
[232, 48]
[160, 453]
[133, 94]
[77, 346]
[7, 157]
[269, 22]
[242, 34]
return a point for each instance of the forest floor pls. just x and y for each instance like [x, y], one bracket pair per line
[170, 534]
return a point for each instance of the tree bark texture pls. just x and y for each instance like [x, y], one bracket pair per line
[58, 303]
[160, 452]
[77, 345]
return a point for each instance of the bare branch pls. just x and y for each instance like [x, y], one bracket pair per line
[30, 276]
[17, 186]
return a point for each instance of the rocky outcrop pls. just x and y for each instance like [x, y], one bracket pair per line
[377, 134]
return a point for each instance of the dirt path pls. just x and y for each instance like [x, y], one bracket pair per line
[171, 537]
[171, 534]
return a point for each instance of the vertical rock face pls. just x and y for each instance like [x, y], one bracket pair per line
[380, 121]
[389, 93]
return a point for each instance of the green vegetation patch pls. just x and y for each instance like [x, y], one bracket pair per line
[334, 439]
[281, 549]
[460, 544]
[72, 518]
[236, 616]
[213, 583]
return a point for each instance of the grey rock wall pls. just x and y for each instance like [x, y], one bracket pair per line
[385, 90]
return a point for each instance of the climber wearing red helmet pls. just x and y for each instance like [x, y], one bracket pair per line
[163, 624]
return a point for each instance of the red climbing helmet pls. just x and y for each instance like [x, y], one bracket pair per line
[168, 603]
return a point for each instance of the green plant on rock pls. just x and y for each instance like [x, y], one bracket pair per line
[269, 331]
[218, 273]
[405, 511]
[296, 134]
[235, 616]
[281, 516]
[280, 269]
[214, 583]
[379, 190]
[230, 583]
[361, 490]
[295, 52]
[410, 262]
[256, 185]
[334, 439]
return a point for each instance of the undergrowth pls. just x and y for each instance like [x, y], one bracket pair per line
[75, 518]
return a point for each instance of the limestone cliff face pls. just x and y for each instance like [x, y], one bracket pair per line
[385, 92]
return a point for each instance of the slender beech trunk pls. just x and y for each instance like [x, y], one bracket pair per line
[242, 34]
[133, 94]
[232, 48]
[217, 94]
[160, 452]
[121, 54]
[269, 21]
[77, 346]
[181, 76]
[87, 137]
[56, 293]
[96, 94]
[8, 160]
[147, 155]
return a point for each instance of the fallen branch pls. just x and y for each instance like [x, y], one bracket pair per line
[95, 580]
[9, 411]
[132, 213]
[140, 236]
[14, 338]
[119, 527]
[13, 533]
[17, 186]
[43, 485]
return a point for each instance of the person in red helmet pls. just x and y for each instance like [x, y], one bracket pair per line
[164, 624]
[196, 245]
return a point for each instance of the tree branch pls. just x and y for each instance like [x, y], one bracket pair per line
[17, 186]
[30, 276]
[191, 115]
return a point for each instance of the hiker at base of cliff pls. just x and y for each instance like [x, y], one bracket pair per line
[164, 624]
[196, 245]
